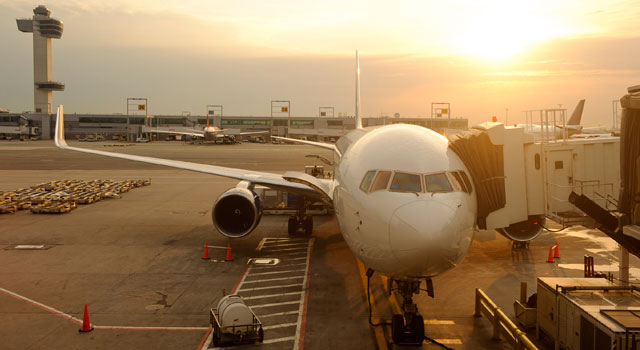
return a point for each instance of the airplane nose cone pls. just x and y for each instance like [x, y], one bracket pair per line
[426, 238]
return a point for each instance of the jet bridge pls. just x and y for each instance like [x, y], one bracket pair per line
[521, 180]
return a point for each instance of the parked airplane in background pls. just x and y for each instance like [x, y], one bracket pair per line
[212, 133]
[557, 131]
[402, 198]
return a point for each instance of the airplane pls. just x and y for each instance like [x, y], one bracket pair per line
[211, 133]
[557, 131]
[402, 198]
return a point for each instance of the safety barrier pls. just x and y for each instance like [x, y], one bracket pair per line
[502, 325]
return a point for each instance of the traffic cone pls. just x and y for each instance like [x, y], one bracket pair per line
[556, 252]
[86, 325]
[206, 251]
[550, 258]
[228, 253]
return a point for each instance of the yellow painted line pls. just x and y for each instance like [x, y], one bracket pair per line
[449, 341]
[437, 322]
[392, 298]
[377, 331]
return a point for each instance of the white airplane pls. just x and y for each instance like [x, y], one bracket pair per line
[212, 133]
[557, 131]
[402, 198]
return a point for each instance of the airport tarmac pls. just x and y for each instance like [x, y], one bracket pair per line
[136, 262]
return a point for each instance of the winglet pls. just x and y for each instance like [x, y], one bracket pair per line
[59, 134]
[576, 116]
[358, 117]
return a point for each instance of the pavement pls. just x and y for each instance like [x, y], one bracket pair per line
[137, 262]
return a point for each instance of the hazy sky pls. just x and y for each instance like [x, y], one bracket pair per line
[481, 56]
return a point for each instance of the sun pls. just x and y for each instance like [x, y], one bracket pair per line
[502, 31]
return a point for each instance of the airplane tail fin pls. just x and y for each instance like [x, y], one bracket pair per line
[576, 116]
[59, 132]
[358, 111]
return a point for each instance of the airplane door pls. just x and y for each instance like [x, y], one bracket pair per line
[559, 181]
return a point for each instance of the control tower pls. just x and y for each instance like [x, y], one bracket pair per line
[44, 28]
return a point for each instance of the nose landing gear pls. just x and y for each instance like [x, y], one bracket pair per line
[408, 328]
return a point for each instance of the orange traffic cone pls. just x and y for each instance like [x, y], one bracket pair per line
[556, 252]
[86, 325]
[206, 251]
[228, 253]
[550, 258]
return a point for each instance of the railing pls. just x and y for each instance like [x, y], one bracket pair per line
[502, 325]
[601, 193]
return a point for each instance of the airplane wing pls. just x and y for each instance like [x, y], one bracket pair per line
[274, 181]
[187, 133]
[330, 146]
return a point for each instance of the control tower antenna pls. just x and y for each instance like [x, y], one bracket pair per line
[44, 28]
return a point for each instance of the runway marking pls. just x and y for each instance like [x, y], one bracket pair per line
[278, 245]
[267, 246]
[279, 314]
[273, 279]
[271, 287]
[271, 296]
[79, 322]
[276, 272]
[454, 341]
[274, 304]
[439, 322]
[282, 325]
[377, 331]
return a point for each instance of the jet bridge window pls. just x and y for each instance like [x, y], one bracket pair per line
[366, 180]
[403, 182]
[381, 181]
[438, 183]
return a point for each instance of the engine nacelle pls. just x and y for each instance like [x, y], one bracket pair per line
[524, 230]
[237, 212]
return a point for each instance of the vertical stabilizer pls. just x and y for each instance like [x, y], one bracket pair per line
[358, 111]
[576, 116]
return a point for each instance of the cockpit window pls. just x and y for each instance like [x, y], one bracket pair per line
[466, 181]
[437, 183]
[403, 182]
[366, 180]
[456, 181]
[381, 181]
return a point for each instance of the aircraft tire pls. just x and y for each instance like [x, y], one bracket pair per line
[307, 223]
[417, 329]
[292, 225]
[397, 328]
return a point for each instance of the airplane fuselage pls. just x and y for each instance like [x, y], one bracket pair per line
[399, 228]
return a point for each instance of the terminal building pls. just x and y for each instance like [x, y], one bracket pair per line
[115, 126]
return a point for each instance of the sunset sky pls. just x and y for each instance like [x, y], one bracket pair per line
[482, 57]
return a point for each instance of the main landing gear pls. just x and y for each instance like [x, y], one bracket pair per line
[300, 221]
[408, 328]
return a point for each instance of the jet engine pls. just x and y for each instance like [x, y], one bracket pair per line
[524, 230]
[237, 212]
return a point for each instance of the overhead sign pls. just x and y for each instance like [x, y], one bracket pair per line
[142, 107]
[445, 111]
[285, 109]
[211, 112]
[323, 114]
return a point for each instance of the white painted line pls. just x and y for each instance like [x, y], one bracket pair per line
[273, 272]
[273, 304]
[285, 313]
[439, 322]
[303, 299]
[279, 265]
[272, 295]
[285, 254]
[134, 328]
[262, 242]
[454, 341]
[278, 340]
[283, 250]
[286, 239]
[270, 287]
[42, 306]
[282, 325]
[280, 245]
[273, 279]
[29, 246]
